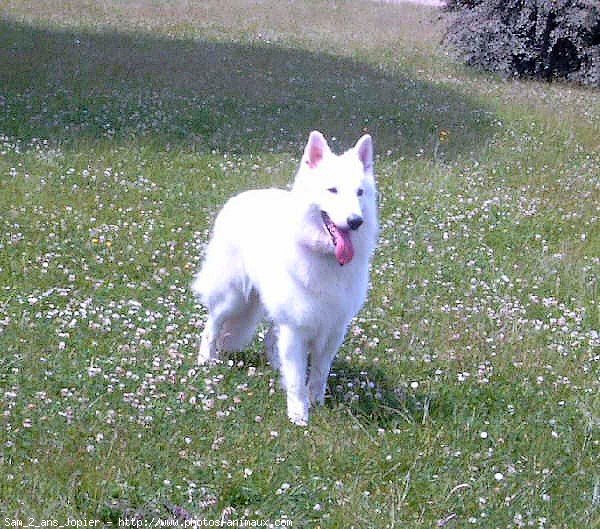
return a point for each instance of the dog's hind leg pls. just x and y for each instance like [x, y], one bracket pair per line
[221, 307]
[208, 343]
[230, 326]
[239, 328]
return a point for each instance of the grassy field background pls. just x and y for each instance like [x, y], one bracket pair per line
[467, 391]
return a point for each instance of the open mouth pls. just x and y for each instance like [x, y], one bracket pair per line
[329, 226]
[343, 249]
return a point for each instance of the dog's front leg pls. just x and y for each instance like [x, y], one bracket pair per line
[293, 364]
[320, 365]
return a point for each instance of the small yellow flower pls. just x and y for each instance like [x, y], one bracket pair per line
[108, 244]
[444, 135]
[94, 241]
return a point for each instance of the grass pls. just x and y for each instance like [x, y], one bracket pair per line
[466, 393]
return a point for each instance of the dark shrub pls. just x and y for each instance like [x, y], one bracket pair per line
[457, 4]
[543, 39]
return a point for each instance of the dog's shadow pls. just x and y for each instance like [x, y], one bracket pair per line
[369, 395]
[366, 392]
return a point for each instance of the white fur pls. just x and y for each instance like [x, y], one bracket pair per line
[271, 256]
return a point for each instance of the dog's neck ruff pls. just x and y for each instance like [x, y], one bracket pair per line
[343, 249]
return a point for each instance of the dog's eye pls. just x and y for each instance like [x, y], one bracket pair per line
[332, 190]
[360, 192]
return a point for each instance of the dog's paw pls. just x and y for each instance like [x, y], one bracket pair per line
[207, 353]
[298, 420]
[206, 358]
[208, 362]
[298, 411]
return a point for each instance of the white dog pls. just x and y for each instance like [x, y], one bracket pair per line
[300, 258]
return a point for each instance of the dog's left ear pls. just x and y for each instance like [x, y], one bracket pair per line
[364, 149]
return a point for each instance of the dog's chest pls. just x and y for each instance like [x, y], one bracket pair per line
[331, 286]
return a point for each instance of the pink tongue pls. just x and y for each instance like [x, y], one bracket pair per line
[344, 251]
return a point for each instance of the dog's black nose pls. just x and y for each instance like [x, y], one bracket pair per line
[354, 222]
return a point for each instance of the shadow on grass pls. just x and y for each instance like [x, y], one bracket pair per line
[71, 86]
[366, 392]
[370, 395]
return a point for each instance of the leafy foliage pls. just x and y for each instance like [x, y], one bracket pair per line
[530, 38]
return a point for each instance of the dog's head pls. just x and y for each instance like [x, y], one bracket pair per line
[341, 189]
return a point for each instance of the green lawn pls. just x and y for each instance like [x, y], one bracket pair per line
[467, 391]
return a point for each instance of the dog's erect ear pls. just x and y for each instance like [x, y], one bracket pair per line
[315, 149]
[364, 149]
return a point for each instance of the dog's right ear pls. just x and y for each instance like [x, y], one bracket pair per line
[364, 148]
[315, 149]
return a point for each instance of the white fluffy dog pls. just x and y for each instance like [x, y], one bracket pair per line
[300, 258]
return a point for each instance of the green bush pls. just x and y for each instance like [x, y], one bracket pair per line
[539, 39]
